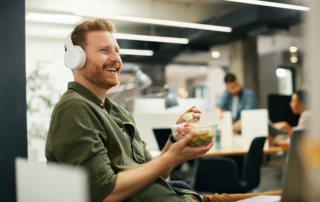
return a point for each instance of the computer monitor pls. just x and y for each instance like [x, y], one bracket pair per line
[279, 109]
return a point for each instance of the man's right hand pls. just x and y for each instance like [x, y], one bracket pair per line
[219, 111]
[180, 152]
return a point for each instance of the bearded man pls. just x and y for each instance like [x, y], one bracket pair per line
[89, 130]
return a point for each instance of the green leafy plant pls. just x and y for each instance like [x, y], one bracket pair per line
[41, 98]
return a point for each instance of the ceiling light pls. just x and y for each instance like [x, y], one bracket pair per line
[155, 21]
[185, 94]
[181, 90]
[53, 18]
[65, 32]
[215, 54]
[293, 49]
[136, 52]
[151, 38]
[272, 4]
[280, 72]
[293, 59]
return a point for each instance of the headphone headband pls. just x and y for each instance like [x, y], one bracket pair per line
[68, 41]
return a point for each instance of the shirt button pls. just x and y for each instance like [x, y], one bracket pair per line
[101, 104]
[121, 128]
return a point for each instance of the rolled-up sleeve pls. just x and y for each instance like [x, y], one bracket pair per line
[75, 137]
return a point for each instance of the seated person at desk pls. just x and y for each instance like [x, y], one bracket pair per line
[89, 130]
[298, 106]
[235, 99]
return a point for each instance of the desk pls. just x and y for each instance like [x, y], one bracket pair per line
[237, 151]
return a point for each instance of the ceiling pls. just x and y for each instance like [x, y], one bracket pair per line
[246, 20]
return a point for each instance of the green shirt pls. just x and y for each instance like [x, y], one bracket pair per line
[82, 133]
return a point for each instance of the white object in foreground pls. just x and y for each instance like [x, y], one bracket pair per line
[50, 183]
[262, 198]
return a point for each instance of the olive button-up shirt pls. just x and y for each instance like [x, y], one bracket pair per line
[84, 131]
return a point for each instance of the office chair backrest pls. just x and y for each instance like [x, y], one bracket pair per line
[252, 162]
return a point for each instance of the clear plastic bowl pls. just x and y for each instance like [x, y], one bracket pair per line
[205, 131]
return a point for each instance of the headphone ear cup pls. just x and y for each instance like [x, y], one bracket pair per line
[75, 58]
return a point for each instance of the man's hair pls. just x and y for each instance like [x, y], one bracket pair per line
[229, 78]
[79, 35]
[302, 96]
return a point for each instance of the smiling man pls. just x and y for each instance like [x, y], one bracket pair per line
[89, 130]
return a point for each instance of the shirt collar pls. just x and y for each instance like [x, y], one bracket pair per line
[89, 95]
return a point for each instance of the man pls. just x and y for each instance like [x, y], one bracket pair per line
[235, 99]
[89, 130]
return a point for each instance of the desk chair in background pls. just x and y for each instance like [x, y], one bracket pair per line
[220, 175]
[293, 186]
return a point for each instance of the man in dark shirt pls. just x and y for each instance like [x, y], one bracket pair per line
[89, 130]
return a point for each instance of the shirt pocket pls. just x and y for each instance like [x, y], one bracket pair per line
[138, 150]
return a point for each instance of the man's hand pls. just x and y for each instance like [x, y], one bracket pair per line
[218, 111]
[180, 152]
[283, 126]
[236, 127]
[126, 184]
[196, 115]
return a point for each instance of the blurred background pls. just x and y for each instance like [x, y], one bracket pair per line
[262, 45]
[176, 53]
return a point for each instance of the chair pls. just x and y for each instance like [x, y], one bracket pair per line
[220, 175]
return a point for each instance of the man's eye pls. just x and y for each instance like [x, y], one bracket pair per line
[103, 50]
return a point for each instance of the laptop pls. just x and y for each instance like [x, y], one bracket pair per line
[50, 183]
[293, 177]
[162, 136]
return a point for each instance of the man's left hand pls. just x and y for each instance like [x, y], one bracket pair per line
[196, 115]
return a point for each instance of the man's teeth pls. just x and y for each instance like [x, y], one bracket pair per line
[110, 69]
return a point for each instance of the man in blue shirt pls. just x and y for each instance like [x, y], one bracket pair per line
[235, 99]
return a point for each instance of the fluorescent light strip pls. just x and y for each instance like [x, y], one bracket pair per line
[65, 32]
[151, 38]
[272, 4]
[54, 18]
[155, 21]
[136, 52]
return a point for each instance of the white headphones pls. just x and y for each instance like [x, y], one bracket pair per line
[74, 57]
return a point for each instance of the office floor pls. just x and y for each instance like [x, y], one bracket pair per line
[271, 174]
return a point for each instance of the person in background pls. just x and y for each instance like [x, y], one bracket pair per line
[298, 106]
[235, 99]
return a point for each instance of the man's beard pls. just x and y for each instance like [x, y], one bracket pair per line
[95, 74]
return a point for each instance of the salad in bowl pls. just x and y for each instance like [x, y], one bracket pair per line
[204, 131]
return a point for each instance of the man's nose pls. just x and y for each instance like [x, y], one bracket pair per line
[114, 57]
